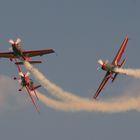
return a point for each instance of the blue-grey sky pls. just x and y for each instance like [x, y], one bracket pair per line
[81, 32]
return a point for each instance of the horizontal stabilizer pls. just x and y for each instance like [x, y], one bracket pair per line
[36, 87]
[114, 77]
[31, 62]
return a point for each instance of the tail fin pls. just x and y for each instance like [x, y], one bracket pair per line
[123, 63]
[31, 62]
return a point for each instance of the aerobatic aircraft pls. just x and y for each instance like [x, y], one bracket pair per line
[110, 67]
[27, 83]
[16, 51]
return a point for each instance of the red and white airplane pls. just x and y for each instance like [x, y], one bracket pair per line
[16, 51]
[27, 83]
[110, 67]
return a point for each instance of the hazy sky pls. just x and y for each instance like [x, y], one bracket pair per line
[81, 32]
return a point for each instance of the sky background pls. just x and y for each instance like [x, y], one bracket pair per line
[81, 32]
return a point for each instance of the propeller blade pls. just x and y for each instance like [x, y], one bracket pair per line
[100, 62]
[27, 74]
[106, 61]
[11, 41]
[21, 74]
[18, 41]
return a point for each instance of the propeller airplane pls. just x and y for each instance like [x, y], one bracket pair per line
[27, 83]
[110, 67]
[16, 51]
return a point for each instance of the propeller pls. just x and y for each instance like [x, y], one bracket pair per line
[106, 61]
[100, 62]
[27, 74]
[18, 41]
[21, 74]
[11, 41]
[15, 42]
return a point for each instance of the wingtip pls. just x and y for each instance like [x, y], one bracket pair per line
[127, 37]
[94, 97]
[54, 51]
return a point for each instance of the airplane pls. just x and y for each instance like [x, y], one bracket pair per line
[27, 83]
[110, 67]
[16, 51]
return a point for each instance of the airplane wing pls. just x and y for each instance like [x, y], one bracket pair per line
[7, 55]
[104, 81]
[27, 53]
[120, 52]
[38, 52]
[33, 101]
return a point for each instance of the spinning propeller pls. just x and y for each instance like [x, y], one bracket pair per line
[15, 42]
[100, 62]
[26, 75]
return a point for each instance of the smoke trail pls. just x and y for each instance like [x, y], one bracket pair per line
[75, 103]
[121, 104]
[130, 72]
[9, 95]
[51, 87]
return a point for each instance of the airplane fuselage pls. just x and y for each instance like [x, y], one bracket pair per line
[108, 67]
[18, 51]
[26, 82]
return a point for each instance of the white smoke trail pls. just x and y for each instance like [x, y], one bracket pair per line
[115, 105]
[9, 95]
[130, 72]
[50, 86]
[75, 103]
[121, 104]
